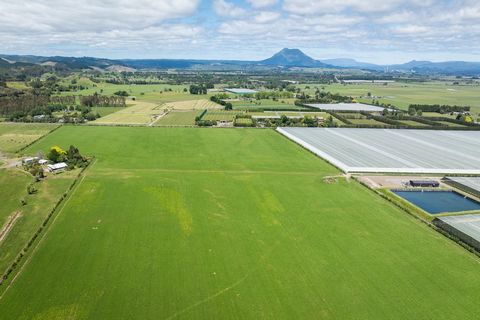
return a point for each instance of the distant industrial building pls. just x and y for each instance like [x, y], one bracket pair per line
[356, 107]
[367, 81]
[240, 91]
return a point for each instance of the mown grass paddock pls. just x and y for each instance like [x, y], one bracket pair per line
[231, 224]
[14, 136]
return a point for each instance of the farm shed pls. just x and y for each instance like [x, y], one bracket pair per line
[30, 160]
[57, 167]
[424, 183]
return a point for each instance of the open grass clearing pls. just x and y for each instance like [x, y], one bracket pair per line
[178, 118]
[14, 136]
[265, 104]
[232, 224]
[201, 104]
[139, 112]
[404, 94]
[13, 188]
[366, 121]
[413, 123]
[221, 115]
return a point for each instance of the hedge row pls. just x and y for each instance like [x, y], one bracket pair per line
[339, 117]
[27, 247]
[438, 108]
[202, 114]
[28, 145]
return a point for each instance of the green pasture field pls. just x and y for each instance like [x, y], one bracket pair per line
[104, 111]
[19, 85]
[14, 136]
[154, 93]
[178, 118]
[450, 124]
[403, 94]
[221, 115]
[368, 122]
[413, 123]
[244, 121]
[437, 115]
[13, 188]
[191, 223]
[264, 104]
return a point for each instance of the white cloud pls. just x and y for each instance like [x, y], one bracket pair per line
[227, 9]
[307, 7]
[266, 16]
[261, 3]
[89, 15]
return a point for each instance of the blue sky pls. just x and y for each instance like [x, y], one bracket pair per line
[378, 31]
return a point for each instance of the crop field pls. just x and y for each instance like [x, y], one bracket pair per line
[372, 122]
[404, 94]
[244, 121]
[104, 111]
[178, 118]
[14, 136]
[450, 124]
[139, 113]
[393, 150]
[221, 115]
[281, 104]
[413, 123]
[288, 245]
[201, 104]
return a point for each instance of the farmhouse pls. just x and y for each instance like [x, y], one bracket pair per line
[29, 160]
[57, 167]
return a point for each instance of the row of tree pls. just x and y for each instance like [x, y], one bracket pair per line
[97, 100]
[438, 108]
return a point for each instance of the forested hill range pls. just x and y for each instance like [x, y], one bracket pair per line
[283, 60]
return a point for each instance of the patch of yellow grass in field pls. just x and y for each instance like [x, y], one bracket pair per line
[140, 112]
[193, 105]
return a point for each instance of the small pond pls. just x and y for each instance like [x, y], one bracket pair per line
[435, 202]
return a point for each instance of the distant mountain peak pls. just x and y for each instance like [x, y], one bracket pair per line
[292, 58]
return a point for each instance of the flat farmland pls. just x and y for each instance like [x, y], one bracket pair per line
[138, 113]
[154, 93]
[14, 136]
[281, 104]
[231, 224]
[178, 118]
[201, 104]
[221, 115]
[404, 94]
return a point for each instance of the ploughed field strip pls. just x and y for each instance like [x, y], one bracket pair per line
[390, 150]
[189, 223]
